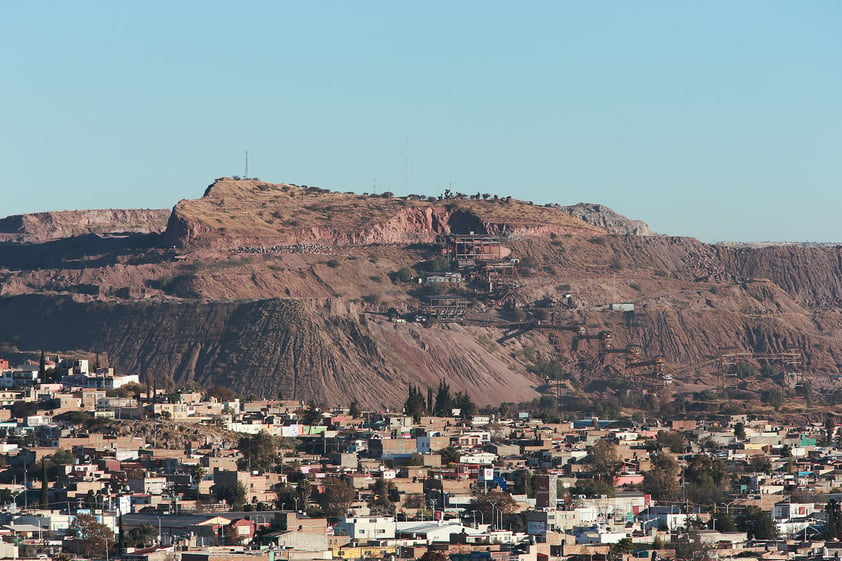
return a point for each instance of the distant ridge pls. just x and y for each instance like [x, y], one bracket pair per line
[42, 226]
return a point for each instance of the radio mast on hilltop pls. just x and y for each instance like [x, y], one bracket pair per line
[246, 173]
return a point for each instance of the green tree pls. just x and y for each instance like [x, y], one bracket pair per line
[303, 491]
[625, 545]
[672, 440]
[593, 487]
[234, 495]
[354, 410]
[833, 524]
[42, 367]
[603, 459]
[724, 522]
[706, 479]
[740, 431]
[259, 452]
[45, 485]
[90, 500]
[221, 393]
[94, 538]
[141, 536]
[197, 472]
[524, 482]
[312, 415]
[773, 397]
[336, 497]
[760, 463]
[384, 496]
[744, 370]
[662, 480]
[404, 274]
[414, 404]
[449, 455]
[444, 401]
[757, 523]
[829, 429]
[466, 406]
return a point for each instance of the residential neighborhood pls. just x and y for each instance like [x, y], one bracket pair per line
[97, 465]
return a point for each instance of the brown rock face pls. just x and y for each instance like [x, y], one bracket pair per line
[44, 226]
[612, 222]
[248, 213]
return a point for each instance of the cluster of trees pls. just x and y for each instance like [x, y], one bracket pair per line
[441, 405]
[259, 452]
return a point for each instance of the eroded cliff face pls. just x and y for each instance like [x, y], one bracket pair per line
[812, 275]
[45, 226]
[247, 213]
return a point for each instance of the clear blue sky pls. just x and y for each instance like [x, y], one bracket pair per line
[719, 120]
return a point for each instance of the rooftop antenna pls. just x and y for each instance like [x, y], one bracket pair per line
[246, 174]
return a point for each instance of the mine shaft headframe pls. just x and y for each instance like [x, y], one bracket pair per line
[603, 337]
[728, 356]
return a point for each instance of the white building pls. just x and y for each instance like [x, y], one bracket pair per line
[20, 378]
[366, 527]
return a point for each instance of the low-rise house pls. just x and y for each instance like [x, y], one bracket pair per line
[363, 528]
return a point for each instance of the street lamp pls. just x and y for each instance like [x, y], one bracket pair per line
[727, 506]
[494, 510]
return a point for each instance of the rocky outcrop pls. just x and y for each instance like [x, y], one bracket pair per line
[43, 226]
[603, 217]
[237, 213]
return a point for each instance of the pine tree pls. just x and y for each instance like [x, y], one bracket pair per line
[444, 402]
[42, 367]
[45, 486]
[833, 526]
[414, 404]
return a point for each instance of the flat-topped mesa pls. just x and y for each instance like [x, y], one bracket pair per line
[237, 213]
[43, 226]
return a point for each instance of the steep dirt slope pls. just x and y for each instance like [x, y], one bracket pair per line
[813, 275]
[319, 350]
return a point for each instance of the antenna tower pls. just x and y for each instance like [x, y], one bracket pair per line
[246, 173]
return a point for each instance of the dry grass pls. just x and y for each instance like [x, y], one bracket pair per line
[253, 208]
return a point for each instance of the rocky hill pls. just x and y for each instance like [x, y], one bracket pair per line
[314, 294]
[610, 221]
[44, 226]
[250, 213]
